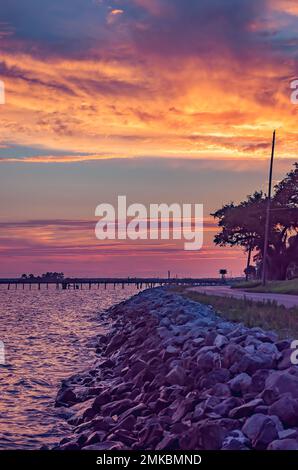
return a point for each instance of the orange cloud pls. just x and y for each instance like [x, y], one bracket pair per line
[117, 12]
[132, 102]
[113, 15]
[287, 6]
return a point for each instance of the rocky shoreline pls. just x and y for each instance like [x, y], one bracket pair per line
[171, 374]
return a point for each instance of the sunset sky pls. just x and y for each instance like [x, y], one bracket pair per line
[160, 100]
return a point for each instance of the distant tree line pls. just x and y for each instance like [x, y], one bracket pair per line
[244, 225]
[46, 276]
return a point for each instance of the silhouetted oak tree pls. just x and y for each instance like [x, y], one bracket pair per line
[244, 225]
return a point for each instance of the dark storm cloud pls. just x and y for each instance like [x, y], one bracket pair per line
[59, 26]
[159, 27]
[202, 27]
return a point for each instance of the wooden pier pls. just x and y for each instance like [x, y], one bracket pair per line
[78, 283]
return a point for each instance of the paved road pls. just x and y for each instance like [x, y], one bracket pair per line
[286, 300]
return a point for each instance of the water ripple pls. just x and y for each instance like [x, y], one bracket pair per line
[47, 336]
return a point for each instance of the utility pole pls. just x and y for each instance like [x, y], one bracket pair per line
[267, 226]
[248, 261]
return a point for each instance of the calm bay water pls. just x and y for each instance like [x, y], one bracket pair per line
[48, 337]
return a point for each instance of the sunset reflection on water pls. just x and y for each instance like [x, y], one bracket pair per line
[48, 337]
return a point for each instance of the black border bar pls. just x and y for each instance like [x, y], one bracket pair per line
[143, 459]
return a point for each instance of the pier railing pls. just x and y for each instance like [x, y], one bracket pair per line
[139, 282]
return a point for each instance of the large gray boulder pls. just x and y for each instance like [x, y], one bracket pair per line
[286, 408]
[240, 384]
[282, 382]
[284, 444]
[261, 430]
